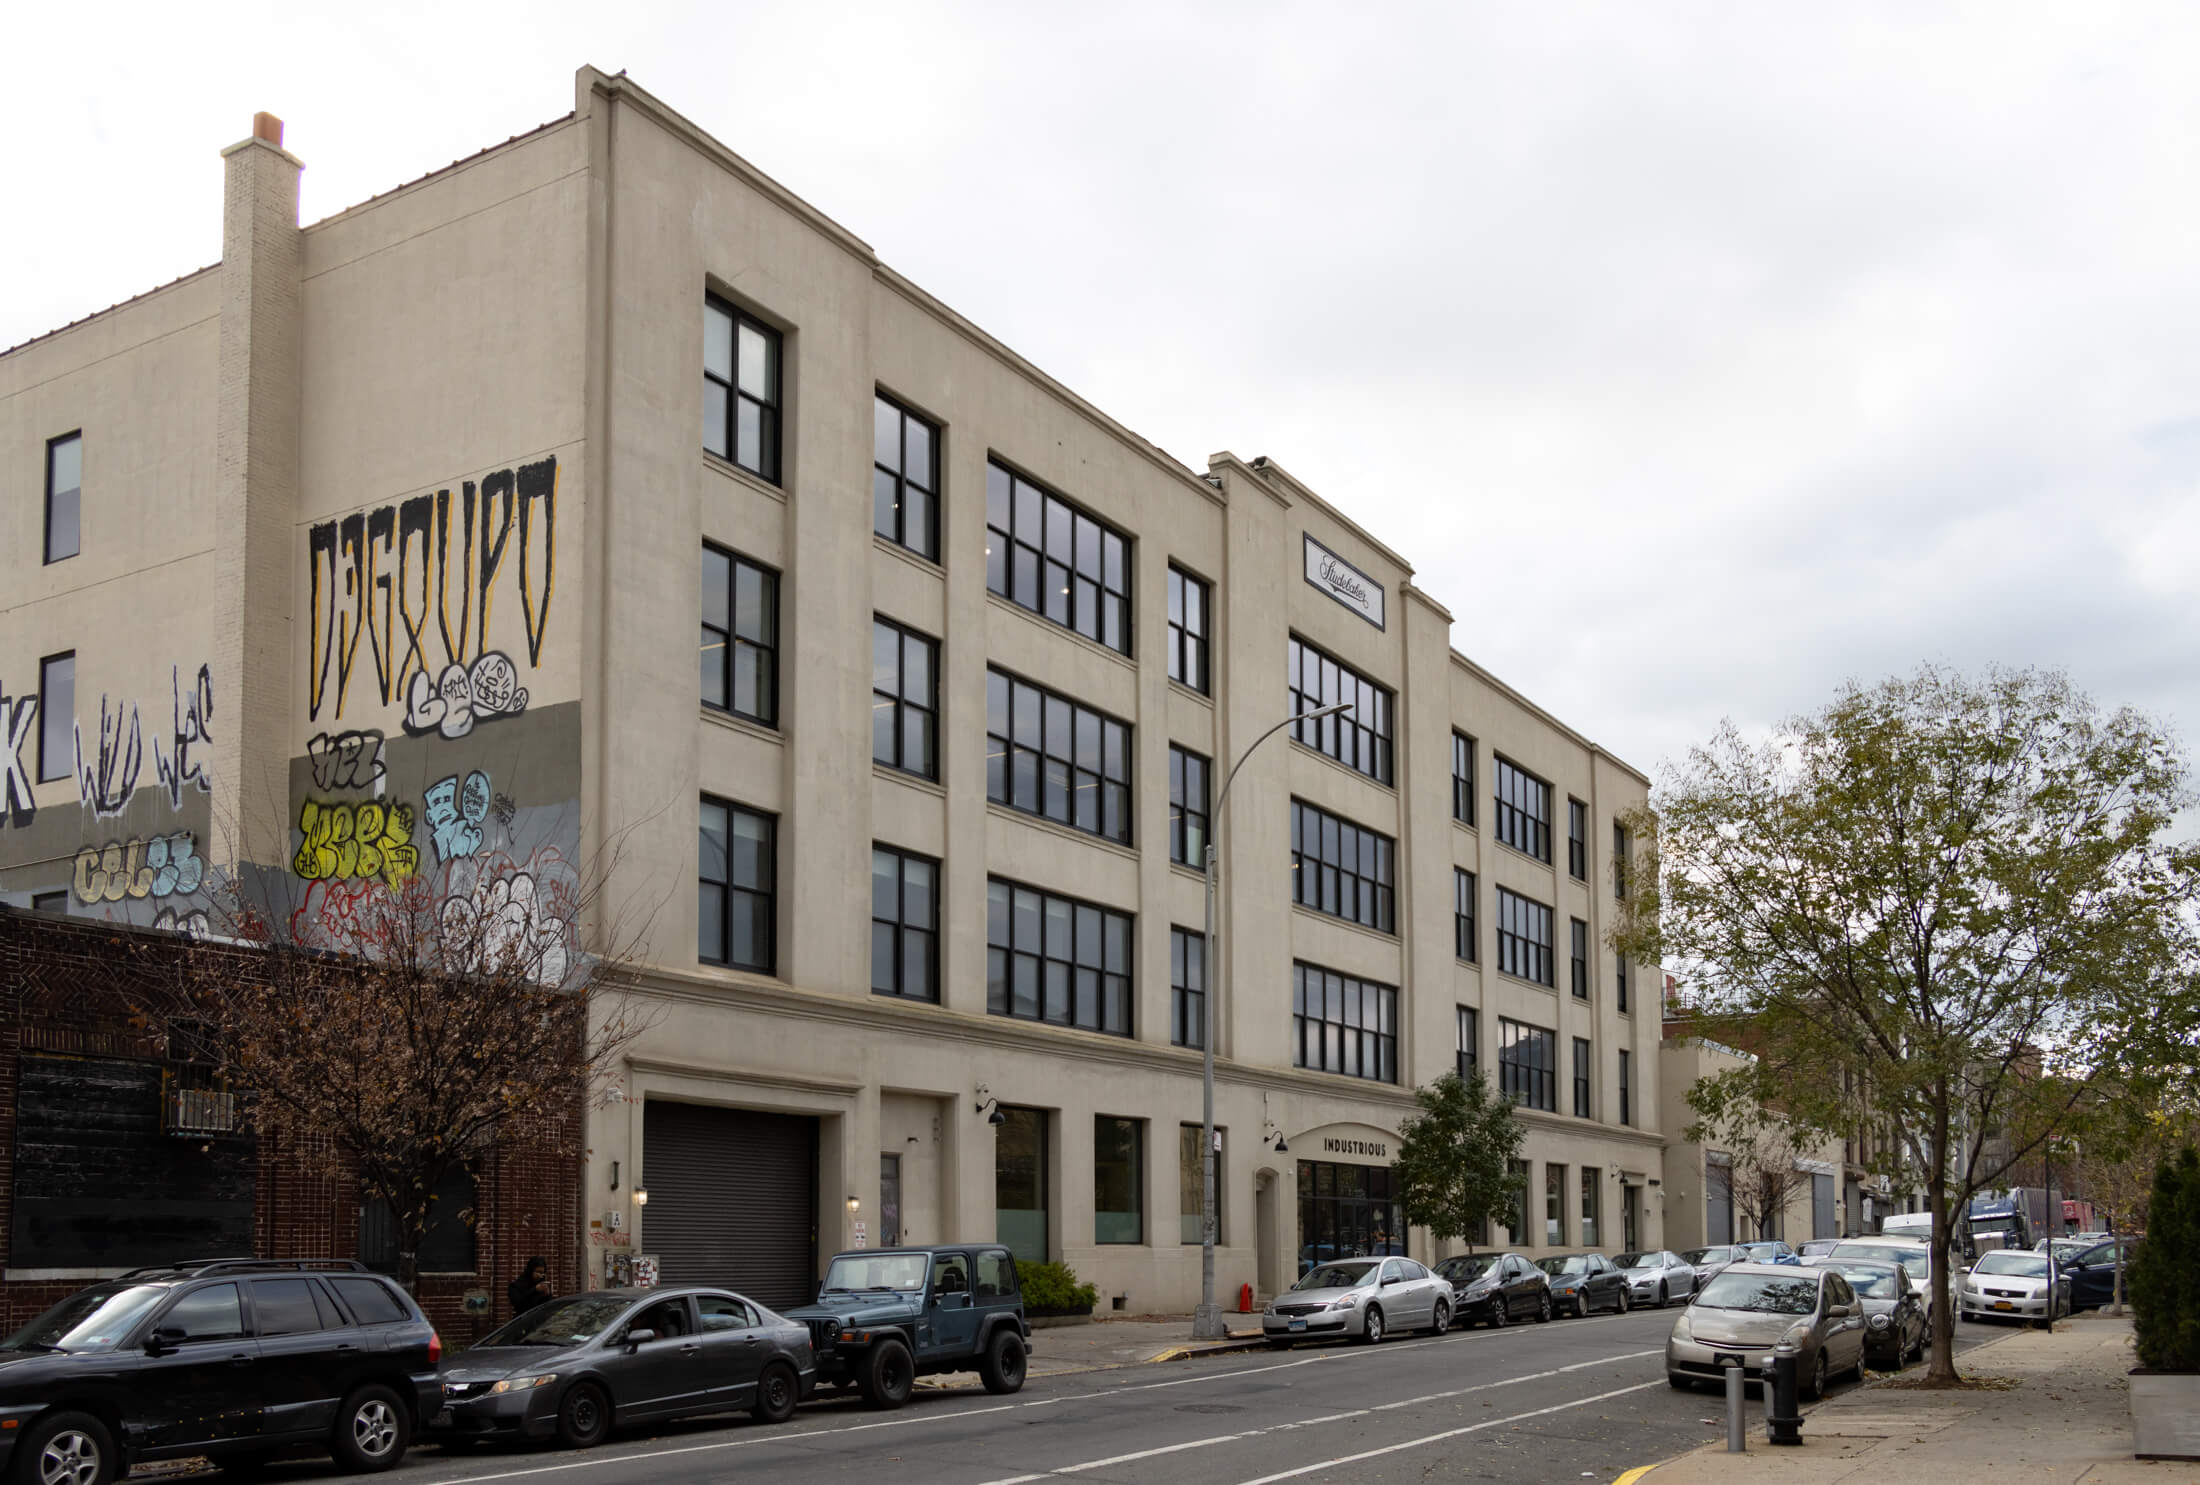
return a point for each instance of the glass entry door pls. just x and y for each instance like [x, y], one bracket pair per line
[1020, 1183]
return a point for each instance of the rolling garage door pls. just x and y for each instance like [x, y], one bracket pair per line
[732, 1199]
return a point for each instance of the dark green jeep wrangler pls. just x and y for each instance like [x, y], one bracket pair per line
[885, 1315]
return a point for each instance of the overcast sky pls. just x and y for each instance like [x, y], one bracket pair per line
[1698, 356]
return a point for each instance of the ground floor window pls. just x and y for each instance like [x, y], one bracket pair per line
[1590, 1181]
[1554, 1206]
[1020, 1183]
[1516, 1209]
[447, 1247]
[1347, 1211]
[1118, 1180]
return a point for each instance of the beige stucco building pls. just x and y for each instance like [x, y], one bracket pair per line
[921, 945]
[1700, 1196]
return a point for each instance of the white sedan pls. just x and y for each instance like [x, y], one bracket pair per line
[2011, 1285]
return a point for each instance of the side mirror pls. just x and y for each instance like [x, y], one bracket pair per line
[165, 1339]
[1393, 1279]
[637, 1337]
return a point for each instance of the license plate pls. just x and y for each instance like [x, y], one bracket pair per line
[441, 1420]
[1297, 1325]
[2003, 1304]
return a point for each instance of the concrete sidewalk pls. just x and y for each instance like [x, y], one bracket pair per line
[2059, 1411]
[1059, 1350]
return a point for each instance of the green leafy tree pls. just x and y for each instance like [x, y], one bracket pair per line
[2165, 1274]
[1454, 1165]
[1939, 906]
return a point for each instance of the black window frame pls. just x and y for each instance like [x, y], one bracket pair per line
[1622, 852]
[770, 405]
[1465, 932]
[1335, 1034]
[1626, 1087]
[894, 483]
[727, 888]
[1584, 1078]
[903, 707]
[1519, 952]
[1187, 987]
[901, 930]
[1578, 944]
[1625, 1005]
[1187, 768]
[723, 632]
[1322, 881]
[1524, 821]
[1577, 839]
[1187, 636]
[1002, 750]
[1467, 1025]
[1314, 678]
[1462, 777]
[1529, 1078]
[1005, 951]
[74, 493]
[49, 716]
[1006, 546]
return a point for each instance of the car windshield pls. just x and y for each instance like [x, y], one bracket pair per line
[2021, 1265]
[1466, 1266]
[1917, 1261]
[94, 1320]
[1762, 1293]
[1706, 1255]
[1558, 1267]
[1872, 1280]
[1640, 1260]
[902, 1272]
[1337, 1276]
[562, 1322]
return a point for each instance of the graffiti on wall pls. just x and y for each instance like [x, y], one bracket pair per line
[398, 575]
[516, 914]
[177, 766]
[189, 921]
[17, 807]
[142, 867]
[452, 702]
[107, 778]
[455, 814]
[347, 760]
[369, 840]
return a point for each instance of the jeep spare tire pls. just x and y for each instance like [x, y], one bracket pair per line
[1002, 1366]
[886, 1374]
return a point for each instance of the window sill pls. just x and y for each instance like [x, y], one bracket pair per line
[1190, 873]
[1128, 662]
[1346, 1079]
[734, 973]
[740, 476]
[1193, 692]
[734, 723]
[1342, 767]
[917, 781]
[1550, 990]
[892, 548]
[1523, 855]
[1466, 825]
[1054, 827]
[1302, 910]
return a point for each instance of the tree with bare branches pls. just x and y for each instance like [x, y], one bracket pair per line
[1762, 1174]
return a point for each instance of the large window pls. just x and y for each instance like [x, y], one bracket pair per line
[905, 924]
[1626, 1087]
[447, 1247]
[64, 494]
[1527, 1064]
[1187, 988]
[735, 910]
[741, 362]
[1118, 1180]
[1620, 852]
[1591, 1179]
[1524, 938]
[1192, 1183]
[1577, 840]
[1187, 629]
[56, 716]
[1359, 738]
[1056, 959]
[1523, 811]
[1462, 778]
[1580, 945]
[1347, 1211]
[1340, 869]
[740, 636]
[1044, 554]
[1047, 755]
[1343, 1025]
[904, 699]
[1470, 1040]
[905, 478]
[1466, 941]
[1584, 1072]
[1020, 1195]
[1554, 1206]
[1187, 807]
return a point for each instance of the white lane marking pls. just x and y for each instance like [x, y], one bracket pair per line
[1452, 1433]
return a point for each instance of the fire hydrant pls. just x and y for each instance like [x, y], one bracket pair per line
[1245, 1299]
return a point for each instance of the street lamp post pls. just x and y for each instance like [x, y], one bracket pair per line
[1207, 1319]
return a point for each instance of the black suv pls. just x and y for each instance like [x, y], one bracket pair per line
[234, 1358]
[885, 1315]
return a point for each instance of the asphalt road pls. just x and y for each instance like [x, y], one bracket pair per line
[1569, 1400]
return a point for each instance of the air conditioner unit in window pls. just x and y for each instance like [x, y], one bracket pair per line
[201, 1111]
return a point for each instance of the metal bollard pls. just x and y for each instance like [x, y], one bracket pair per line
[1783, 1420]
[1737, 1434]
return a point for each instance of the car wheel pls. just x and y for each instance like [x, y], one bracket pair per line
[1581, 1307]
[1501, 1310]
[1816, 1388]
[1663, 1298]
[777, 1391]
[1002, 1366]
[1626, 1299]
[1543, 1308]
[1440, 1319]
[1372, 1328]
[584, 1416]
[887, 1375]
[68, 1449]
[372, 1430]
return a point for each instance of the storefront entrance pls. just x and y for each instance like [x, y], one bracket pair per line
[1347, 1211]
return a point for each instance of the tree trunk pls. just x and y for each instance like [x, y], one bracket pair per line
[1939, 1270]
[408, 1265]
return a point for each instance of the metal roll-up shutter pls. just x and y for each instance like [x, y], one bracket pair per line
[732, 1199]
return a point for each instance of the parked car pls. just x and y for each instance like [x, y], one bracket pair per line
[1812, 1248]
[1770, 1250]
[1582, 1282]
[1496, 1288]
[886, 1316]
[1894, 1309]
[1364, 1298]
[235, 1359]
[1745, 1312]
[1707, 1262]
[1658, 1277]
[580, 1366]
[1915, 1257]
[2011, 1284]
[2092, 1272]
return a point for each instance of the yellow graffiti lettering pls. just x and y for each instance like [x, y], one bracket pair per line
[365, 840]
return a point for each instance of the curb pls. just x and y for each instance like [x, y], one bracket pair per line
[1233, 1346]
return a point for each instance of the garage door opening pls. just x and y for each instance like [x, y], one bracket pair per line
[732, 1199]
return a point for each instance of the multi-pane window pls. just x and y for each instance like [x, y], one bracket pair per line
[905, 924]
[1524, 937]
[1590, 1181]
[1341, 869]
[1187, 988]
[1047, 755]
[64, 495]
[1554, 1206]
[740, 636]
[1619, 859]
[1187, 807]
[1581, 958]
[905, 478]
[1523, 811]
[1583, 1068]
[1626, 1087]
[741, 360]
[1187, 629]
[1118, 1180]
[1056, 959]
[1359, 738]
[1470, 1040]
[1577, 840]
[736, 887]
[1621, 961]
[1462, 778]
[56, 716]
[1465, 941]
[1343, 1025]
[1044, 554]
[904, 699]
[1527, 1064]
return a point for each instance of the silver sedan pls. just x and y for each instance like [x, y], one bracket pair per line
[1363, 1298]
[1657, 1276]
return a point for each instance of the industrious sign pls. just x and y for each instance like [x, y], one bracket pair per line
[1334, 1146]
[1344, 582]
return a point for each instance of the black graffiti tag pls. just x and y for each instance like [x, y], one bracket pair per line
[348, 760]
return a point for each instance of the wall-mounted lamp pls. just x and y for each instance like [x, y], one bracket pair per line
[641, 1196]
[987, 1100]
[614, 1175]
[855, 1205]
[1276, 1130]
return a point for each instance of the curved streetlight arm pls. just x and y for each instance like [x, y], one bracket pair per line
[1321, 711]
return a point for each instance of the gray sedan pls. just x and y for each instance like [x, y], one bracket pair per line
[1657, 1276]
[575, 1367]
[1744, 1314]
[1365, 1298]
[1894, 1309]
